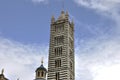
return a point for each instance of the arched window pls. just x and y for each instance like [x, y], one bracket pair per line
[59, 40]
[70, 53]
[58, 63]
[71, 66]
[57, 75]
[42, 74]
[70, 77]
[59, 28]
[38, 74]
[58, 51]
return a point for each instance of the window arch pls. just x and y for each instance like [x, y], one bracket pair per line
[58, 63]
[57, 75]
[59, 40]
[42, 74]
[58, 51]
[71, 65]
[38, 74]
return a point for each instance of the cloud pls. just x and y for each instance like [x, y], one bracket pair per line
[98, 60]
[108, 8]
[100, 5]
[94, 60]
[19, 60]
[39, 1]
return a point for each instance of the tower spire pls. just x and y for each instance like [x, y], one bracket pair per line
[42, 61]
[2, 71]
[52, 19]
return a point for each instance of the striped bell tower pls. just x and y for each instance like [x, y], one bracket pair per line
[61, 49]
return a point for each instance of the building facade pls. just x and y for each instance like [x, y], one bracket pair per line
[61, 49]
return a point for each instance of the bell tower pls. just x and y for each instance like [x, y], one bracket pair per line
[61, 48]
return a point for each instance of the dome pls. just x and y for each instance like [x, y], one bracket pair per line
[41, 68]
[41, 72]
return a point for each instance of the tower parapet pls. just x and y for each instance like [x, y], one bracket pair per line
[63, 17]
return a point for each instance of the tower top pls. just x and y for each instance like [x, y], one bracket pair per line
[63, 15]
